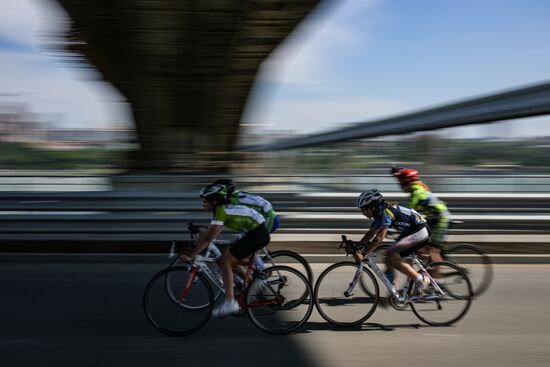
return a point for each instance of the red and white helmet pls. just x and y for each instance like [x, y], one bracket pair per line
[407, 175]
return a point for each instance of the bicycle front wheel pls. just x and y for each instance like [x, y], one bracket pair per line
[475, 263]
[279, 300]
[447, 299]
[340, 305]
[171, 306]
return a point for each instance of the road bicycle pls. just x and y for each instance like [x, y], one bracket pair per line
[268, 258]
[178, 300]
[347, 293]
[470, 258]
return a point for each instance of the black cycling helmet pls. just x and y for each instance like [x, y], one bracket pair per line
[228, 183]
[369, 198]
[394, 170]
[214, 192]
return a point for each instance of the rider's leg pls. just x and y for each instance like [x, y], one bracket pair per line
[439, 231]
[259, 262]
[397, 263]
[227, 262]
[390, 271]
[435, 253]
[247, 246]
[437, 238]
[406, 246]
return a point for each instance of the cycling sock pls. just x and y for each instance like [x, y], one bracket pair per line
[390, 275]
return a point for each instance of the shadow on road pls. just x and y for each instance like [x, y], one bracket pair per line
[63, 314]
[325, 326]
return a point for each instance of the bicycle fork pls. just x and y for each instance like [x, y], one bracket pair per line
[349, 291]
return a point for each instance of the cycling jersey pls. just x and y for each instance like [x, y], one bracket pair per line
[239, 218]
[436, 212]
[426, 202]
[259, 204]
[403, 219]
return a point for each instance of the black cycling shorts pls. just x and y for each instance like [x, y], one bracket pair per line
[251, 242]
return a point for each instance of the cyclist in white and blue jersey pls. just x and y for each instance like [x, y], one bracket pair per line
[413, 229]
[238, 218]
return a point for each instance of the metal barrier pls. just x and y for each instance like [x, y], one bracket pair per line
[162, 216]
[273, 183]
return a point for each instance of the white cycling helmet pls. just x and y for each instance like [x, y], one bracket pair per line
[369, 198]
[211, 192]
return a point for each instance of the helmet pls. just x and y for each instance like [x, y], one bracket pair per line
[369, 198]
[394, 170]
[228, 183]
[213, 192]
[407, 175]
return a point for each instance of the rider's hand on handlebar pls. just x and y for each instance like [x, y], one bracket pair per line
[186, 251]
[186, 257]
[359, 255]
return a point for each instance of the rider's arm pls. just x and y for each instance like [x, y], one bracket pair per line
[211, 233]
[368, 236]
[380, 234]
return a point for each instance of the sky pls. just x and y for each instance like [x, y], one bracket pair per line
[31, 72]
[350, 61]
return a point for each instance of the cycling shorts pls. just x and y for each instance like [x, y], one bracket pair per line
[439, 227]
[410, 244]
[251, 242]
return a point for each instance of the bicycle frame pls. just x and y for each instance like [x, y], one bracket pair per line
[402, 295]
[200, 265]
[213, 249]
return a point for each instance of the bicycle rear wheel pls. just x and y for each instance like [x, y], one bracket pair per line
[171, 306]
[292, 259]
[279, 300]
[445, 307]
[474, 262]
[336, 305]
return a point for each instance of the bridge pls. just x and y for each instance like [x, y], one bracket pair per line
[185, 67]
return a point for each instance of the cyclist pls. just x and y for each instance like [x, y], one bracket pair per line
[238, 218]
[413, 230]
[423, 200]
[255, 202]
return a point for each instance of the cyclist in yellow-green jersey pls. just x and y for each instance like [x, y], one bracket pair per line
[423, 200]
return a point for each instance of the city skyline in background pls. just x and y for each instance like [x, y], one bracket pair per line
[353, 61]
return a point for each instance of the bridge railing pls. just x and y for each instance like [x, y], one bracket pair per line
[162, 216]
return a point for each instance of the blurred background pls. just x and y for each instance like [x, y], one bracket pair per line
[113, 114]
[180, 88]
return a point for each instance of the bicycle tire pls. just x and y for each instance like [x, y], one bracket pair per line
[427, 306]
[334, 293]
[481, 278]
[265, 297]
[156, 292]
[299, 258]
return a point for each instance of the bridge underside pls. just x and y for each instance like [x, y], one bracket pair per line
[186, 68]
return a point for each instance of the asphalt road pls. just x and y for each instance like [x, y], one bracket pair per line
[89, 314]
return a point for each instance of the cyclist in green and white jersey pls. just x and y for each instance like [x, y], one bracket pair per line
[255, 202]
[239, 218]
